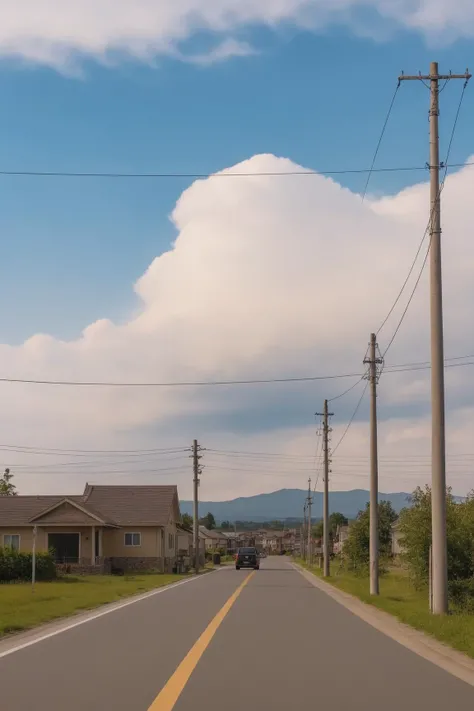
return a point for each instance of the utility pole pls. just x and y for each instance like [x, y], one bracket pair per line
[326, 430]
[303, 533]
[310, 502]
[196, 472]
[374, 360]
[438, 445]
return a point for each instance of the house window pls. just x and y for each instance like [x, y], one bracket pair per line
[133, 539]
[12, 540]
[170, 541]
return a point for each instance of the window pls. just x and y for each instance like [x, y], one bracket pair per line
[170, 541]
[12, 540]
[133, 539]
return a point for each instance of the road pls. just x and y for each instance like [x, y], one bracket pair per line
[281, 644]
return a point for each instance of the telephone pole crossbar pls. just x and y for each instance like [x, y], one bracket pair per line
[438, 443]
[326, 430]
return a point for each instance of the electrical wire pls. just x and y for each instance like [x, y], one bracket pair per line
[399, 368]
[270, 174]
[337, 397]
[379, 143]
[440, 190]
[351, 420]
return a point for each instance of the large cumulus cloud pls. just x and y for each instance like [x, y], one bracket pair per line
[268, 276]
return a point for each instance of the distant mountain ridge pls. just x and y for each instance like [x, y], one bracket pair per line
[288, 504]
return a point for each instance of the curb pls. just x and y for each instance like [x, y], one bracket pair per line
[452, 661]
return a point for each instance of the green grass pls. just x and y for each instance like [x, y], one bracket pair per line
[21, 609]
[399, 598]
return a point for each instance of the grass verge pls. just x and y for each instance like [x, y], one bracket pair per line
[399, 598]
[21, 609]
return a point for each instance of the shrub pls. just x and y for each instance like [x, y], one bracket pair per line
[461, 594]
[15, 566]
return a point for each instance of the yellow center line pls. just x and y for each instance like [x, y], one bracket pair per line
[173, 688]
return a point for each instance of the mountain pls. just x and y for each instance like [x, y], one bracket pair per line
[288, 503]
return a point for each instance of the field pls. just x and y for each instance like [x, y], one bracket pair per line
[22, 609]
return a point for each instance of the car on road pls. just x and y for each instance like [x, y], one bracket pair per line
[247, 558]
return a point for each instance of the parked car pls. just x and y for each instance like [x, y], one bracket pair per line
[247, 558]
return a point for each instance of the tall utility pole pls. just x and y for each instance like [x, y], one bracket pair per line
[196, 472]
[374, 360]
[303, 534]
[310, 502]
[438, 447]
[326, 430]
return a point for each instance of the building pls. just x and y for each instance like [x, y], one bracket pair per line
[106, 528]
[342, 534]
[214, 539]
[397, 547]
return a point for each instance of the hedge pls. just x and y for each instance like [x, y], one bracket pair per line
[16, 566]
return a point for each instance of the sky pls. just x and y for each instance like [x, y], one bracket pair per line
[232, 277]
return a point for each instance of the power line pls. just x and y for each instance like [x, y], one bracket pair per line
[270, 174]
[351, 420]
[398, 368]
[337, 397]
[441, 188]
[379, 143]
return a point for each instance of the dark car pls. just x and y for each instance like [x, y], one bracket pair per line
[247, 558]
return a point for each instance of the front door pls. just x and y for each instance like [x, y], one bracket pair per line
[98, 552]
[65, 547]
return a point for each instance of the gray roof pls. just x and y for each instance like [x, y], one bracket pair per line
[133, 505]
[19, 510]
[115, 505]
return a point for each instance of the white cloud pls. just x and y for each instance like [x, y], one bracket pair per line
[53, 32]
[268, 276]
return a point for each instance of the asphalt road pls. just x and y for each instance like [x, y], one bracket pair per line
[283, 644]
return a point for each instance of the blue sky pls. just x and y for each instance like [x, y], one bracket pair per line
[275, 277]
[72, 248]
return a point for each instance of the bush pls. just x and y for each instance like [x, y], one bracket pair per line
[16, 566]
[461, 594]
[356, 548]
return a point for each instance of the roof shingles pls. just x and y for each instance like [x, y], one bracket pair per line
[116, 505]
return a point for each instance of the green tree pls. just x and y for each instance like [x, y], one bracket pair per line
[7, 488]
[336, 519]
[356, 548]
[208, 521]
[415, 530]
[225, 525]
[187, 520]
[317, 530]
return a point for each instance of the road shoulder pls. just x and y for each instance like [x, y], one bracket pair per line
[452, 661]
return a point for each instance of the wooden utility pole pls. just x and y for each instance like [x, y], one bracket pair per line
[438, 445]
[326, 430]
[310, 503]
[374, 361]
[196, 472]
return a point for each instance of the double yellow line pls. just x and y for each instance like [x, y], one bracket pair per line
[173, 688]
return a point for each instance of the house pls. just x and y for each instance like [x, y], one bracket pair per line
[186, 545]
[105, 528]
[342, 534]
[214, 539]
[396, 535]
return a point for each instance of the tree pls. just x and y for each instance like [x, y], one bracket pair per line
[337, 519]
[7, 488]
[225, 525]
[317, 530]
[208, 521]
[187, 520]
[356, 548]
[415, 530]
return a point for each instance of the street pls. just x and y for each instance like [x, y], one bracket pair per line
[281, 644]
